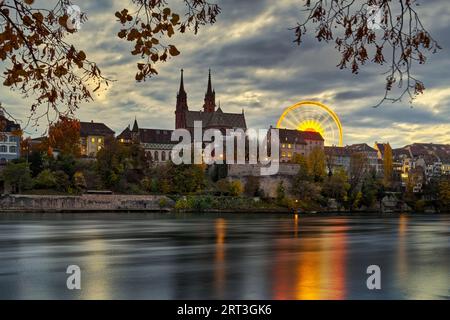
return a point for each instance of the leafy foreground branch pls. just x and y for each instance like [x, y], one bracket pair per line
[380, 31]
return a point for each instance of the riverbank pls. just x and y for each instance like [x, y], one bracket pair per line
[107, 203]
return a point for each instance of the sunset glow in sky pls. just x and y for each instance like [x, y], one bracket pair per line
[256, 67]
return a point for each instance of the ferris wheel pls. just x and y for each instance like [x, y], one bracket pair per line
[313, 116]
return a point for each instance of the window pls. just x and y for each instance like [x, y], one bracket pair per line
[156, 156]
[283, 145]
[93, 140]
[99, 140]
[283, 154]
[121, 140]
[3, 149]
[163, 156]
[12, 139]
[289, 146]
[12, 149]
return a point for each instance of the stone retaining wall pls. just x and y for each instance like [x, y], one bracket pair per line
[85, 202]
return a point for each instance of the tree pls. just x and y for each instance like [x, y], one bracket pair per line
[388, 167]
[40, 61]
[358, 167]
[64, 135]
[45, 180]
[112, 161]
[316, 164]
[402, 40]
[444, 195]
[18, 176]
[336, 186]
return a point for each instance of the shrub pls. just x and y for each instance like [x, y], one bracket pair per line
[162, 203]
[79, 181]
[62, 182]
[45, 180]
[235, 188]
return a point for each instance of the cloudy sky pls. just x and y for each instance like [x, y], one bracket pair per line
[257, 67]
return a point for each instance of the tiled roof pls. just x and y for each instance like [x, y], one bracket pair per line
[94, 129]
[216, 119]
[297, 136]
[361, 147]
[337, 151]
[161, 136]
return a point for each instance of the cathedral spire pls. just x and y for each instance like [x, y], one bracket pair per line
[181, 84]
[182, 106]
[210, 96]
[209, 91]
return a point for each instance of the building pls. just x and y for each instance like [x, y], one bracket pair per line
[10, 134]
[370, 153]
[434, 159]
[156, 143]
[211, 116]
[294, 142]
[337, 158]
[93, 136]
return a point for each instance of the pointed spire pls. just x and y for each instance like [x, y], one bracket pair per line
[209, 91]
[181, 83]
[210, 96]
[135, 125]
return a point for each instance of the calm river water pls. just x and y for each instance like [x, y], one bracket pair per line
[215, 256]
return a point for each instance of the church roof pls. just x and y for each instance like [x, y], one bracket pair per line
[216, 119]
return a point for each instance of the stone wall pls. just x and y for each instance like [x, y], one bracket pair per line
[243, 170]
[86, 202]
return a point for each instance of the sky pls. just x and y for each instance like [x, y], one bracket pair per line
[257, 67]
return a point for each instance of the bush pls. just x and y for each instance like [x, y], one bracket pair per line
[235, 188]
[45, 180]
[181, 204]
[62, 182]
[162, 203]
[79, 180]
[18, 176]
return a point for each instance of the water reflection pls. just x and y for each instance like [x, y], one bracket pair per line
[209, 256]
[220, 257]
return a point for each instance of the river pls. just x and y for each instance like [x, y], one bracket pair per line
[223, 256]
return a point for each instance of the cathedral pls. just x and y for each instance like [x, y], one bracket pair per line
[211, 116]
[157, 142]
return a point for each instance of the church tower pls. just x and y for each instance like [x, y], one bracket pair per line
[210, 97]
[182, 106]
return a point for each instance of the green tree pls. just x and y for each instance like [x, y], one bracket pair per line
[45, 180]
[336, 186]
[112, 162]
[18, 176]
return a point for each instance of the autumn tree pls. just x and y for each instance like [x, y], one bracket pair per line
[64, 135]
[384, 32]
[317, 164]
[39, 62]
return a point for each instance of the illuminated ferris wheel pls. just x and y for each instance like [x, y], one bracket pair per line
[313, 116]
